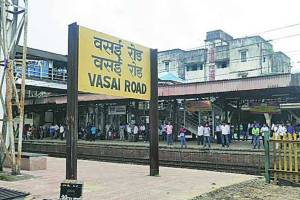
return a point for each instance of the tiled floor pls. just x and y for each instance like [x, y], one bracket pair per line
[124, 181]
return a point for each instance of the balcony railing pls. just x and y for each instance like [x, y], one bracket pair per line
[50, 74]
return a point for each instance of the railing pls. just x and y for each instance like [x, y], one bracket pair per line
[49, 74]
[190, 121]
[285, 166]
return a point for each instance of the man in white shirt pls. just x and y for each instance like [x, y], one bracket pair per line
[225, 128]
[264, 130]
[282, 130]
[62, 132]
[128, 130]
[135, 133]
[206, 134]
[200, 134]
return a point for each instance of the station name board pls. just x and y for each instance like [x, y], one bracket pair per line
[112, 66]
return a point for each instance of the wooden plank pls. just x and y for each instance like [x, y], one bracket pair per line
[290, 156]
[296, 158]
[279, 157]
[284, 156]
[275, 160]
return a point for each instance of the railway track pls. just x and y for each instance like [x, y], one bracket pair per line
[87, 151]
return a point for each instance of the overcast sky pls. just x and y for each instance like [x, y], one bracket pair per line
[165, 24]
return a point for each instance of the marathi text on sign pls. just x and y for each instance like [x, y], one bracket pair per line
[112, 66]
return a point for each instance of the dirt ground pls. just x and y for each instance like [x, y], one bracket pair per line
[254, 189]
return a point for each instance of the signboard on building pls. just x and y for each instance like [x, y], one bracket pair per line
[260, 108]
[112, 66]
[212, 73]
[117, 110]
[195, 106]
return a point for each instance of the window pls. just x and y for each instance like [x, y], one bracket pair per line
[167, 66]
[243, 56]
[194, 67]
[222, 64]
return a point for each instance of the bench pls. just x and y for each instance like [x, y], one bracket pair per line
[31, 161]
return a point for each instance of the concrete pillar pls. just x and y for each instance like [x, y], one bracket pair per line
[268, 118]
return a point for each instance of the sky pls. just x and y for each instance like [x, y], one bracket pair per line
[166, 24]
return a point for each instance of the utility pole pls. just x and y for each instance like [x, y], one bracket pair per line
[13, 22]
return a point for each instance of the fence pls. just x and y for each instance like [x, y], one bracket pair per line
[285, 162]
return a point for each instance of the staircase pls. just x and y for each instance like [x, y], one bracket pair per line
[190, 121]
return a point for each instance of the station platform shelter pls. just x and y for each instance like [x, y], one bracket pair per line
[264, 99]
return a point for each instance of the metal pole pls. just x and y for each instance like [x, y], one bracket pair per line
[72, 106]
[154, 157]
[22, 95]
[213, 121]
[184, 116]
[267, 156]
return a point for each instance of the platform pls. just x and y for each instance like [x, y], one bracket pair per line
[114, 181]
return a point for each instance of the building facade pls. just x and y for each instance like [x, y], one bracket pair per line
[224, 57]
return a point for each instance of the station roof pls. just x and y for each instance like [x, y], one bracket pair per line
[167, 76]
[248, 88]
[37, 53]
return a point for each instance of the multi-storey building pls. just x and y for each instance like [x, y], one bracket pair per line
[224, 57]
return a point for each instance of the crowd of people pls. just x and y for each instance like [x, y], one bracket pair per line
[54, 131]
[132, 132]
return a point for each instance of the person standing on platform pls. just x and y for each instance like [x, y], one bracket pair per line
[169, 129]
[218, 133]
[255, 135]
[122, 132]
[56, 131]
[52, 131]
[108, 130]
[225, 128]
[281, 130]
[200, 134]
[206, 134]
[143, 132]
[93, 133]
[182, 131]
[61, 131]
[135, 133]
[129, 132]
[264, 130]
[290, 129]
[163, 131]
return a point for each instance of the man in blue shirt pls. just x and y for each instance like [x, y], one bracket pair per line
[290, 129]
[93, 133]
